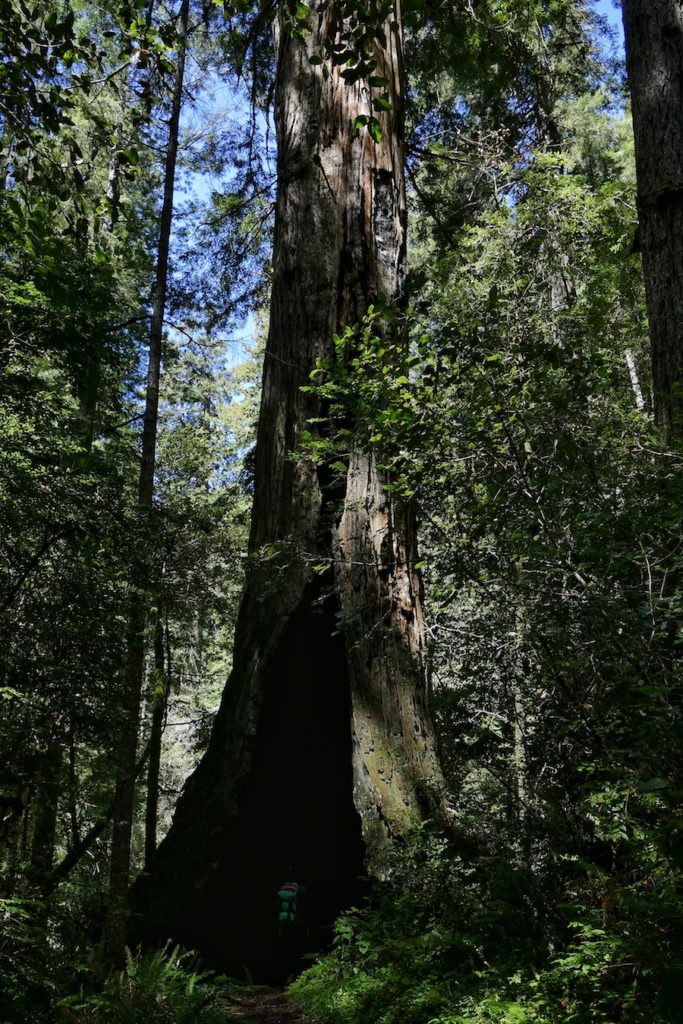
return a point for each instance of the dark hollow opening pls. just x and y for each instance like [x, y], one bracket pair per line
[296, 819]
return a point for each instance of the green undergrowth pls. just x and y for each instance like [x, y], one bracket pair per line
[448, 941]
[165, 986]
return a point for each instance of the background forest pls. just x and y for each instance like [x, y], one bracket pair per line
[138, 169]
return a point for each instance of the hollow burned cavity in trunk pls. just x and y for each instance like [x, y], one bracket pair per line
[296, 819]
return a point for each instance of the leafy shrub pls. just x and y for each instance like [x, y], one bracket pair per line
[430, 940]
[29, 980]
[451, 941]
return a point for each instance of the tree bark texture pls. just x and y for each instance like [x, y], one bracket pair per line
[117, 909]
[654, 53]
[365, 760]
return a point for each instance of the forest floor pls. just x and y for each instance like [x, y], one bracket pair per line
[263, 1005]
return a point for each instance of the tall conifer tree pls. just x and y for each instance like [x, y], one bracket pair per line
[117, 911]
[320, 739]
[654, 51]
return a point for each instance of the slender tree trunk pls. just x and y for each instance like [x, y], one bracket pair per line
[159, 695]
[320, 738]
[654, 54]
[632, 368]
[91, 373]
[48, 791]
[73, 786]
[12, 826]
[113, 191]
[64, 868]
[117, 912]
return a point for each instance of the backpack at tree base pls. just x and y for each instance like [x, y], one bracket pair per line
[287, 895]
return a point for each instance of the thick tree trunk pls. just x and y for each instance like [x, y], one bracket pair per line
[322, 747]
[654, 53]
[117, 909]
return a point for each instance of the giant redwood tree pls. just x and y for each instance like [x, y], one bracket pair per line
[322, 753]
[653, 32]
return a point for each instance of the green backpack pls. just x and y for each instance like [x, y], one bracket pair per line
[287, 895]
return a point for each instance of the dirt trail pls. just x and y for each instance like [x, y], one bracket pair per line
[263, 1005]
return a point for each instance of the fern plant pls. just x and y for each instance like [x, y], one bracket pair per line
[166, 986]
